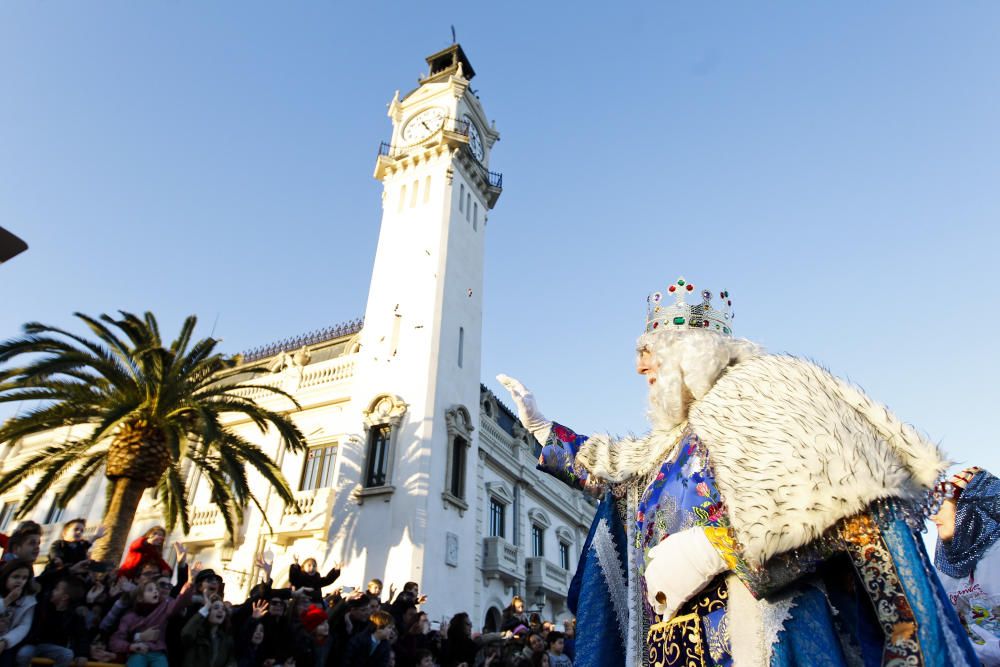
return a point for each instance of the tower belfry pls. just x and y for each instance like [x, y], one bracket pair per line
[446, 62]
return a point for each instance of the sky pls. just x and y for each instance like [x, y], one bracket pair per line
[833, 166]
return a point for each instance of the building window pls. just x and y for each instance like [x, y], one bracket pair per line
[378, 454]
[7, 513]
[475, 217]
[382, 419]
[461, 345]
[317, 473]
[564, 555]
[427, 189]
[457, 483]
[468, 206]
[458, 423]
[413, 195]
[55, 513]
[402, 197]
[498, 516]
[537, 540]
[461, 198]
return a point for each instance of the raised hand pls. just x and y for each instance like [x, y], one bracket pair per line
[99, 533]
[95, 592]
[527, 408]
[262, 563]
[258, 609]
[13, 596]
[181, 552]
[295, 558]
[194, 570]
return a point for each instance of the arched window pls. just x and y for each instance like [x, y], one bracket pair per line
[475, 216]
[460, 428]
[427, 189]
[382, 420]
[461, 198]
[413, 195]
[402, 197]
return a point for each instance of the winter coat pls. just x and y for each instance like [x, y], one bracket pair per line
[202, 649]
[361, 652]
[19, 618]
[132, 622]
[140, 552]
[314, 580]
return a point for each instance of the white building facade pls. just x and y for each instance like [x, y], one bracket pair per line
[415, 471]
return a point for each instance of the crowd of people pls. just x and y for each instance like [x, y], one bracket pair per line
[147, 613]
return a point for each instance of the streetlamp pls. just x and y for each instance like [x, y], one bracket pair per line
[539, 600]
[10, 245]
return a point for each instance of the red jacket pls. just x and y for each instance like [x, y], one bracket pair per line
[139, 553]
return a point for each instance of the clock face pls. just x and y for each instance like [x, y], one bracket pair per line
[475, 141]
[423, 125]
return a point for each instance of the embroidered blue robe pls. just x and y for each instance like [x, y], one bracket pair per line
[816, 606]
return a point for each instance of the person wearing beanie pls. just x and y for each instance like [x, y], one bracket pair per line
[967, 556]
[312, 644]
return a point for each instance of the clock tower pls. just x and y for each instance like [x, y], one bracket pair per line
[417, 385]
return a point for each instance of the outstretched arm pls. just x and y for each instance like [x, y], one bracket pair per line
[559, 444]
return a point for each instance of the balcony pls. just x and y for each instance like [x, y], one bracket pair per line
[546, 575]
[206, 525]
[313, 517]
[501, 560]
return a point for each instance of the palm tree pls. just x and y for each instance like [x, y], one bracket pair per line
[147, 409]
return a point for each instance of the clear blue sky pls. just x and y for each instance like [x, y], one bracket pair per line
[835, 167]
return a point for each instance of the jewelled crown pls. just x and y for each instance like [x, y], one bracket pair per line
[680, 315]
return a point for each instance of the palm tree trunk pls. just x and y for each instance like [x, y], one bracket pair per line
[118, 518]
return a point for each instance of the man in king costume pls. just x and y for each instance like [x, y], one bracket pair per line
[770, 517]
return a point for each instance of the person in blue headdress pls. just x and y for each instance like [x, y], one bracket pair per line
[770, 516]
[967, 555]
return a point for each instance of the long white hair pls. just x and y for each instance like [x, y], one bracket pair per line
[688, 362]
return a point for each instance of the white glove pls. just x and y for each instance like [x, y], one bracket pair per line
[527, 409]
[989, 652]
[679, 567]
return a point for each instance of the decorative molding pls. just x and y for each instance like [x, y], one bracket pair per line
[454, 501]
[501, 492]
[539, 517]
[361, 493]
[384, 409]
[458, 422]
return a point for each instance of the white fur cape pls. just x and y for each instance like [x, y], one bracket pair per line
[794, 449]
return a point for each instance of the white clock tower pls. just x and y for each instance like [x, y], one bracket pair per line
[417, 385]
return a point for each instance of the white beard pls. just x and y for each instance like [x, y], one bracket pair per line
[666, 409]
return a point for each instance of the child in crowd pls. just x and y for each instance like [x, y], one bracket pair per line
[72, 548]
[141, 632]
[24, 543]
[306, 576]
[57, 630]
[146, 549]
[372, 647]
[17, 607]
[557, 658]
[207, 639]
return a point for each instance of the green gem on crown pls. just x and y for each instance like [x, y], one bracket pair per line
[681, 283]
[678, 320]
